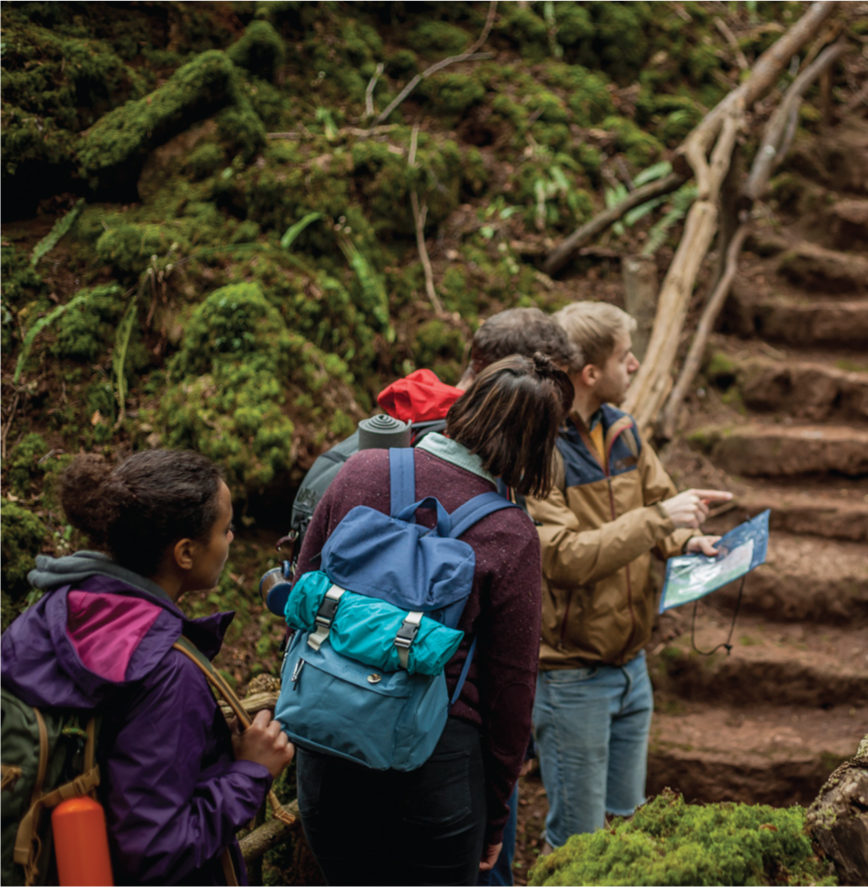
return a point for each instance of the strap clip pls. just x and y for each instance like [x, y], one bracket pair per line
[325, 616]
[406, 635]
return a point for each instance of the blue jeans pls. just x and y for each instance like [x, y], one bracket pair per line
[592, 726]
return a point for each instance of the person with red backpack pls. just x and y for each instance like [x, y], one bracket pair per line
[175, 780]
[443, 821]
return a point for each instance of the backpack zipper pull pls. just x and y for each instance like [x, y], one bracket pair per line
[296, 672]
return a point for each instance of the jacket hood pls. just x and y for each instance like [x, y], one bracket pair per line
[420, 397]
[97, 629]
[53, 572]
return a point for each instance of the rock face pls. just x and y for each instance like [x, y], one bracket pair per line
[838, 819]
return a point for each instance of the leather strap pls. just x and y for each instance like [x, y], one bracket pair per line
[192, 652]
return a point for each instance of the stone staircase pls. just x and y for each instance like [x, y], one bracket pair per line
[783, 423]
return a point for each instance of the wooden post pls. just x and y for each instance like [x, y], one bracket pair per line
[639, 274]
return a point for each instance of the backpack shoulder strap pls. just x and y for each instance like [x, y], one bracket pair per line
[192, 652]
[402, 479]
[472, 511]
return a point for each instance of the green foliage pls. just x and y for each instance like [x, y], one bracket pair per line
[21, 536]
[452, 93]
[294, 230]
[440, 347]
[641, 148]
[670, 842]
[206, 159]
[72, 341]
[60, 228]
[260, 50]
[680, 204]
[194, 91]
[230, 385]
[119, 354]
[24, 464]
[129, 248]
[438, 39]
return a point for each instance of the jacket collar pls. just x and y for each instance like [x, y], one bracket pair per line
[456, 453]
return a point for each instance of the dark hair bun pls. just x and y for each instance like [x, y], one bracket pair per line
[146, 503]
[82, 495]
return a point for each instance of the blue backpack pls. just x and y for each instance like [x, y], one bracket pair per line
[416, 579]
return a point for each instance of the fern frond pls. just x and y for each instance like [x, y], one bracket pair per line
[61, 227]
[294, 230]
[119, 356]
[681, 201]
[41, 324]
[376, 300]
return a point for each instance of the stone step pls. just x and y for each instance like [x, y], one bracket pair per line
[805, 390]
[831, 270]
[771, 450]
[778, 755]
[812, 322]
[849, 223]
[804, 579]
[817, 513]
[770, 663]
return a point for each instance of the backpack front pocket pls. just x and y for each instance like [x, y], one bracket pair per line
[332, 704]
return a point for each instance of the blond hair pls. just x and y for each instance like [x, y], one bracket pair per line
[594, 327]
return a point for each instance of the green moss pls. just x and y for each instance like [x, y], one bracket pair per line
[206, 159]
[86, 330]
[586, 92]
[24, 463]
[452, 93]
[670, 842]
[438, 38]
[22, 534]
[440, 347]
[721, 369]
[641, 148]
[705, 438]
[230, 385]
[124, 136]
[128, 248]
[260, 50]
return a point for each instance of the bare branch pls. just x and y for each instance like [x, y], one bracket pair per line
[471, 55]
[581, 236]
[369, 92]
[420, 213]
[724, 29]
[703, 331]
[775, 143]
[268, 835]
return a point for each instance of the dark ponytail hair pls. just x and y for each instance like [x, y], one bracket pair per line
[142, 506]
[510, 416]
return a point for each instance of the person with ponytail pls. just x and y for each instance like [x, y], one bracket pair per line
[176, 781]
[443, 822]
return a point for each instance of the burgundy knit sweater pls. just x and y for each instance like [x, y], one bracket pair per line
[503, 609]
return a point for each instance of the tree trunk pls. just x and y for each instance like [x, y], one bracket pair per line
[838, 819]
[639, 274]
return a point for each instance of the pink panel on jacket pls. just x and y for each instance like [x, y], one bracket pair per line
[106, 629]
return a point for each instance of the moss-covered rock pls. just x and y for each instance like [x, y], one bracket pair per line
[232, 381]
[260, 50]
[113, 150]
[22, 534]
[671, 842]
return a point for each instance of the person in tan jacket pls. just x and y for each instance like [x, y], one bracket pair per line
[612, 507]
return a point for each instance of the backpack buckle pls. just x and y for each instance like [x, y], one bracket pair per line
[406, 635]
[325, 616]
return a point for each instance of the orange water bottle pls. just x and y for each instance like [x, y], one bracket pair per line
[81, 843]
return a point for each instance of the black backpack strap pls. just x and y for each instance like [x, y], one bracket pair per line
[402, 480]
[472, 511]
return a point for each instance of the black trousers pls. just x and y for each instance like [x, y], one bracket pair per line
[425, 826]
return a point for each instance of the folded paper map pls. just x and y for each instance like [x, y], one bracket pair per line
[692, 576]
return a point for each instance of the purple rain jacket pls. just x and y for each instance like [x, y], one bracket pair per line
[173, 793]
